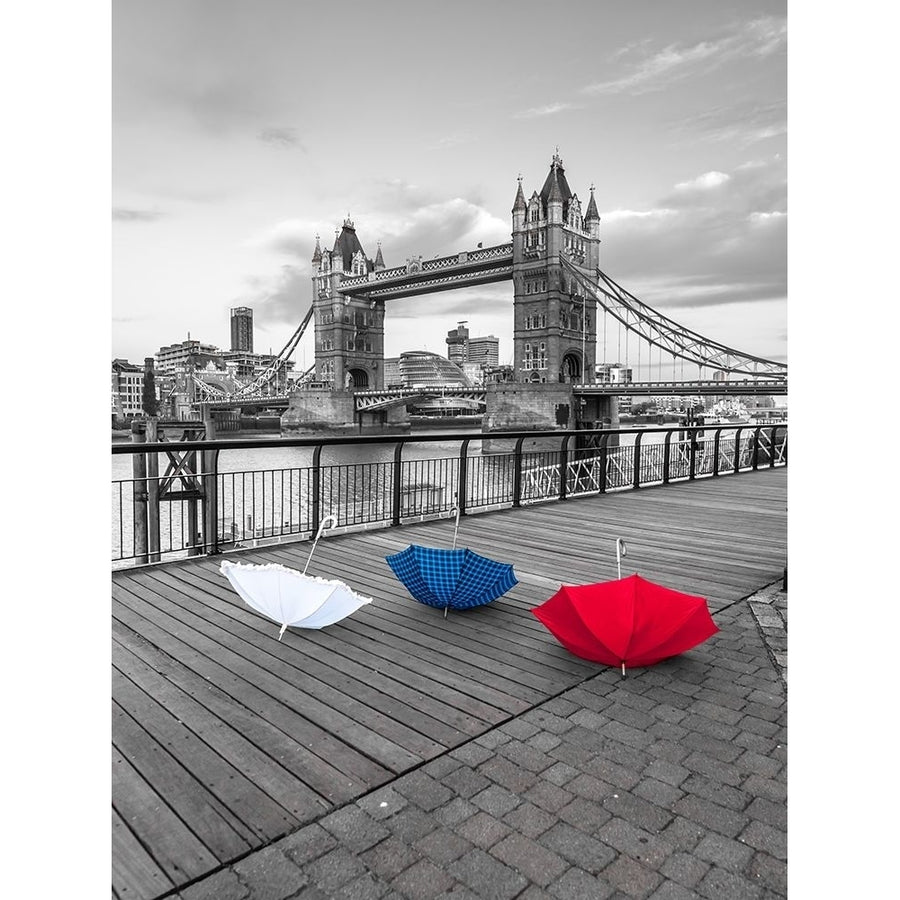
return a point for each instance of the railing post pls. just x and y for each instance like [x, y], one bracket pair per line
[604, 441]
[636, 475]
[316, 500]
[772, 447]
[564, 467]
[517, 473]
[139, 495]
[667, 456]
[718, 434]
[152, 437]
[463, 477]
[397, 475]
[737, 450]
[692, 444]
[755, 461]
[209, 460]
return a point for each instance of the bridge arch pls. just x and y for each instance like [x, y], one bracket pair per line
[571, 369]
[358, 378]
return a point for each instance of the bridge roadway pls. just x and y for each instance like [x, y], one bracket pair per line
[400, 752]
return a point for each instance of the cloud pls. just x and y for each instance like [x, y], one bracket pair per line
[550, 109]
[741, 124]
[123, 214]
[718, 238]
[280, 137]
[758, 38]
[281, 298]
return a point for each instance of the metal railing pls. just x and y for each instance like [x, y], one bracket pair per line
[193, 507]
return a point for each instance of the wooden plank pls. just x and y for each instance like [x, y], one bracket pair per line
[198, 762]
[283, 683]
[224, 835]
[440, 721]
[134, 871]
[323, 743]
[175, 848]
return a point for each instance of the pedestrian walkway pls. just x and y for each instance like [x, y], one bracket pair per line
[667, 784]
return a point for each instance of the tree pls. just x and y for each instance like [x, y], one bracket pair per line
[149, 403]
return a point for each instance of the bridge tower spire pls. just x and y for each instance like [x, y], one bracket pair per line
[349, 331]
[554, 325]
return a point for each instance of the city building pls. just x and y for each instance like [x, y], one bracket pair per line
[419, 368]
[615, 373]
[479, 351]
[242, 329]
[127, 389]
[187, 354]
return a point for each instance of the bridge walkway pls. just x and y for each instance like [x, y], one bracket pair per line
[227, 742]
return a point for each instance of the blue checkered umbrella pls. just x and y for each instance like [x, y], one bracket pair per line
[451, 579]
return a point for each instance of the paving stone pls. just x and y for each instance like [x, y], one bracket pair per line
[667, 730]
[465, 781]
[719, 749]
[583, 814]
[560, 706]
[487, 876]
[546, 721]
[612, 773]
[657, 792]
[719, 884]
[454, 812]
[639, 812]
[530, 758]
[382, 803]
[307, 844]
[335, 869]
[631, 878]
[270, 874]
[684, 868]
[588, 718]
[354, 829]
[670, 714]
[769, 789]
[548, 796]
[637, 843]
[442, 846]
[423, 790]
[535, 862]
[625, 714]
[533, 892]
[519, 729]
[410, 824]
[683, 834]
[670, 751]
[529, 819]
[389, 858]
[715, 792]
[572, 754]
[755, 725]
[507, 774]
[422, 881]
[543, 741]
[761, 836]
[770, 873]
[496, 800]
[224, 885]
[442, 766]
[717, 712]
[724, 852]
[774, 814]
[493, 739]
[560, 774]
[714, 768]
[483, 830]
[669, 890]
[580, 849]
[590, 788]
[363, 888]
[471, 754]
[576, 884]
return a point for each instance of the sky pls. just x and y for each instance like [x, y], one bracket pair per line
[241, 130]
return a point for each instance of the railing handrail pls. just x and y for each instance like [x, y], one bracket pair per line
[130, 447]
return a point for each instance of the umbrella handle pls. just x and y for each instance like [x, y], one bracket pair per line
[455, 530]
[621, 551]
[327, 522]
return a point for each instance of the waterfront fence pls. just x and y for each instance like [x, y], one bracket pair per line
[178, 504]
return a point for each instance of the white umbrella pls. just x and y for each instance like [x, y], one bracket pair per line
[294, 598]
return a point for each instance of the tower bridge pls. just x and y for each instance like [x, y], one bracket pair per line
[561, 300]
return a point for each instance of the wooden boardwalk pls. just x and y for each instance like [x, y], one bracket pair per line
[225, 739]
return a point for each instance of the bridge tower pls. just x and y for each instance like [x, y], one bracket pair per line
[349, 331]
[554, 334]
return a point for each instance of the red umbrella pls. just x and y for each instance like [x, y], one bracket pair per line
[629, 622]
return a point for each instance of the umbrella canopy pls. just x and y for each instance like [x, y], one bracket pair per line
[292, 598]
[451, 579]
[629, 622]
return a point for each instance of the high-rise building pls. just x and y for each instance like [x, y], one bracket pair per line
[458, 344]
[482, 351]
[242, 329]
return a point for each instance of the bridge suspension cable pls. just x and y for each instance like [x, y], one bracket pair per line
[667, 334]
[274, 368]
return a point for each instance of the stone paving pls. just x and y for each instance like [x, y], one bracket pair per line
[670, 783]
